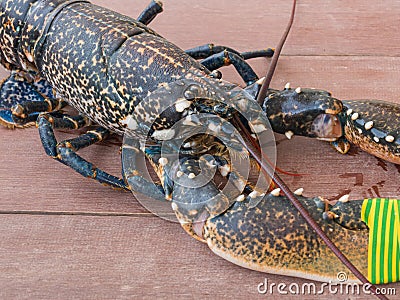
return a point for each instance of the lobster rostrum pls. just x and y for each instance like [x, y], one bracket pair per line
[120, 75]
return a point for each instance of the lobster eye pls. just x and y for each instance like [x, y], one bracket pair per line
[327, 127]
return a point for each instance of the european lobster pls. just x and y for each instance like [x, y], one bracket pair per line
[30, 61]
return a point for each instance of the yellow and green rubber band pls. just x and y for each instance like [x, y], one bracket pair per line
[383, 219]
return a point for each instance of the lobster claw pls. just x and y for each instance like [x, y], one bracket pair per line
[273, 238]
[306, 112]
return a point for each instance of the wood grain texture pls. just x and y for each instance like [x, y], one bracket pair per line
[64, 236]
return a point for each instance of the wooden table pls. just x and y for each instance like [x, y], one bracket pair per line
[63, 236]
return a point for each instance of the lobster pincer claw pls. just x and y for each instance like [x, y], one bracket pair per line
[305, 112]
[272, 237]
[341, 145]
[371, 125]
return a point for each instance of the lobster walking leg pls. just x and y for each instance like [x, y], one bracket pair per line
[216, 56]
[24, 109]
[258, 53]
[224, 58]
[65, 151]
[207, 50]
[22, 98]
[150, 12]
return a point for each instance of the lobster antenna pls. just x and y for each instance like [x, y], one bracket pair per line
[264, 87]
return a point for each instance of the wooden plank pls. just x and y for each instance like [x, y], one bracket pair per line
[321, 27]
[31, 180]
[44, 252]
[64, 257]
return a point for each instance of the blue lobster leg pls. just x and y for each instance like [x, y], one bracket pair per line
[65, 151]
[150, 12]
[22, 98]
[257, 53]
[226, 58]
[204, 51]
[216, 57]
